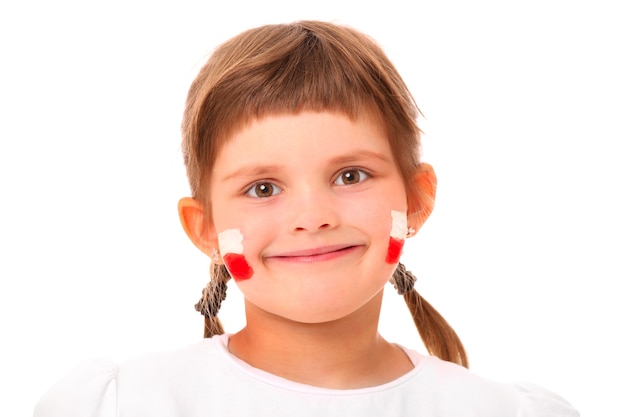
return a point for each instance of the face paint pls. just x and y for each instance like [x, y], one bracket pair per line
[397, 236]
[231, 246]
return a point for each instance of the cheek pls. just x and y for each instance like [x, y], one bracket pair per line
[231, 246]
[238, 266]
[394, 251]
[397, 236]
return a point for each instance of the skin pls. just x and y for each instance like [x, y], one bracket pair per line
[316, 234]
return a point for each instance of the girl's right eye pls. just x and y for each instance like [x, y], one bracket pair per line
[263, 189]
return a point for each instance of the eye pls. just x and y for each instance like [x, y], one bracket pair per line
[351, 176]
[263, 189]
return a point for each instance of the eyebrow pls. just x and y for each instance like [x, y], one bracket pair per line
[252, 171]
[265, 170]
[360, 156]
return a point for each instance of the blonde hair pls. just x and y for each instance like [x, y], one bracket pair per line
[305, 66]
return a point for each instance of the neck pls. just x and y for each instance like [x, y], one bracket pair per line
[341, 354]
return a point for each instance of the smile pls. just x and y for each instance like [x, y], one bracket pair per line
[320, 254]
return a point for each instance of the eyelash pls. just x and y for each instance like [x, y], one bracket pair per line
[361, 175]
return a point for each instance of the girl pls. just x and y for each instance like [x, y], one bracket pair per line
[301, 148]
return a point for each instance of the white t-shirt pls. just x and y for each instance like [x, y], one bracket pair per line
[205, 380]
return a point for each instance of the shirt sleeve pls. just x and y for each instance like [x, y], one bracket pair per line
[539, 402]
[87, 391]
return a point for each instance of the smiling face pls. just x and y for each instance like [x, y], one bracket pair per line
[312, 196]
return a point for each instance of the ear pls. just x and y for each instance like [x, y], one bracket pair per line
[421, 198]
[198, 227]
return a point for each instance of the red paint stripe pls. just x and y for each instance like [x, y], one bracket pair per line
[394, 251]
[237, 266]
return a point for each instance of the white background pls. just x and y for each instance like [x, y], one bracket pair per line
[524, 254]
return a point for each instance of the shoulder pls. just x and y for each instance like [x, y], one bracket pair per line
[538, 401]
[89, 386]
[99, 387]
[449, 383]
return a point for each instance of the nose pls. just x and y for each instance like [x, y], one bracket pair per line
[313, 209]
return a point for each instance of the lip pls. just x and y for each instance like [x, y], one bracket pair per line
[319, 254]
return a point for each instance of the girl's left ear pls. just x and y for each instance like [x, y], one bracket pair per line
[421, 198]
[199, 229]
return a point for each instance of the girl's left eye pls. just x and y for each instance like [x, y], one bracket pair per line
[351, 176]
[263, 190]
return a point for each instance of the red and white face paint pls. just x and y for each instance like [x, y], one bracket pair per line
[397, 236]
[231, 247]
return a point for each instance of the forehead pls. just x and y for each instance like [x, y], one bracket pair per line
[303, 138]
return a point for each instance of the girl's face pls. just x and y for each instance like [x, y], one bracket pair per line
[308, 200]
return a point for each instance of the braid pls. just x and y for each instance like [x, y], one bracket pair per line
[402, 280]
[438, 336]
[211, 301]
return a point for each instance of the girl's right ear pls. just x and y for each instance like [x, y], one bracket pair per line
[199, 229]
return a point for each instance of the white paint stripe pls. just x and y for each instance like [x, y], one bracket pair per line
[230, 241]
[398, 224]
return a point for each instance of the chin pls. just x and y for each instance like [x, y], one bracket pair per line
[317, 320]
[321, 314]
